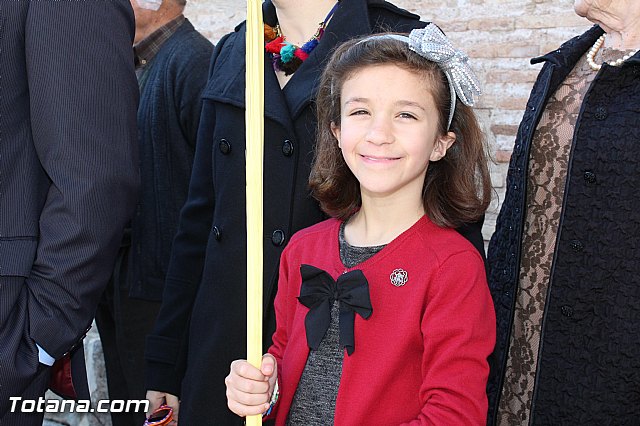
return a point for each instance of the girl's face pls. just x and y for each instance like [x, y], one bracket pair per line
[388, 131]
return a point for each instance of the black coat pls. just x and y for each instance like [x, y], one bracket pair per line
[589, 364]
[206, 282]
[68, 173]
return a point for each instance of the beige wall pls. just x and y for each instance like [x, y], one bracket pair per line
[499, 35]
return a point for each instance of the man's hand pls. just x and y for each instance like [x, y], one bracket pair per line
[249, 389]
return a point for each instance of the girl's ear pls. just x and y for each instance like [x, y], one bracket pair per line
[441, 145]
[336, 132]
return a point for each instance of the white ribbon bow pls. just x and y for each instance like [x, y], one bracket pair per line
[430, 43]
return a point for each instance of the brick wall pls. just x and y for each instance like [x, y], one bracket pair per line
[499, 35]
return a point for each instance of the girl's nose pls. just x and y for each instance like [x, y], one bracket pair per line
[380, 132]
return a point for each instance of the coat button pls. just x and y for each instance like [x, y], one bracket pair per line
[277, 238]
[216, 233]
[589, 177]
[567, 311]
[601, 113]
[287, 148]
[576, 245]
[225, 147]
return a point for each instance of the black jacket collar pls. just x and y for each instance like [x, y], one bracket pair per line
[227, 80]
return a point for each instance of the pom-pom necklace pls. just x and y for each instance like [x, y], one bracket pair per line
[288, 57]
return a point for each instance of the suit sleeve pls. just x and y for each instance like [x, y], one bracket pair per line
[83, 101]
[458, 326]
[166, 346]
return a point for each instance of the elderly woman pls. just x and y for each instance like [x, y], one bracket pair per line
[565, 258]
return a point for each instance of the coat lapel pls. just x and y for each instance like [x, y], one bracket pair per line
[350, 20]
[229, 70]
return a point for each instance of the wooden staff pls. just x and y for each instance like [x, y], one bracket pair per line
[254, 122]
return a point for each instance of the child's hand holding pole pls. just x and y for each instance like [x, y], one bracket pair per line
[249, 389]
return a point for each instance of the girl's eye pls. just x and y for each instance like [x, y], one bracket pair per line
[407, 115]
[358, 112]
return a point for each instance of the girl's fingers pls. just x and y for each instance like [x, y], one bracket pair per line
[248, 399]
[244, 410]
[268, 365]
[241, 384]
[247, 388]
[243, 369]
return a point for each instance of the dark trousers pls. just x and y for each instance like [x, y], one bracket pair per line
[21, 375]
[35, 390]
[123, 324]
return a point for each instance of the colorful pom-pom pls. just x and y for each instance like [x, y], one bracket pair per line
[269, 32]
[310, 45]
[301, 54]
[275, 45]
[286, 56]
[290, 67]
[287, 52]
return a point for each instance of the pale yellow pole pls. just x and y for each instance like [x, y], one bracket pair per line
[254, 122]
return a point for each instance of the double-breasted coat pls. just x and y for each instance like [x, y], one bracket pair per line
[202, 325]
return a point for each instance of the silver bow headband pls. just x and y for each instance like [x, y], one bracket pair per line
[430, 43]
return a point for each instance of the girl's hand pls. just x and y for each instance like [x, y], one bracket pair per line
[249, 389]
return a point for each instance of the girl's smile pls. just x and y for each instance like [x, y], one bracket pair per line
[378, 160]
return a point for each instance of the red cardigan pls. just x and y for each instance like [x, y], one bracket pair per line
[421, 358]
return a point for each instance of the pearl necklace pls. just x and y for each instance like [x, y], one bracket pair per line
[594, 49]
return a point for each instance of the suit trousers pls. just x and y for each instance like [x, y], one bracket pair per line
[21, 374]
[35, 390]
[123, 324]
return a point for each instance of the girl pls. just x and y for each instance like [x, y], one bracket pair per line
[383, 312]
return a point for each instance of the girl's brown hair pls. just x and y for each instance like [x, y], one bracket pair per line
[457, 188]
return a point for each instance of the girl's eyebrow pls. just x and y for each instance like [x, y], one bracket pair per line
[410, 103]
[356, 100]
[401, 102]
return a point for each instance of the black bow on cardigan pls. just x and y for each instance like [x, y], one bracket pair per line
[319, 290]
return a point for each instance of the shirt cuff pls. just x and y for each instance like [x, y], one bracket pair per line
[44, 357]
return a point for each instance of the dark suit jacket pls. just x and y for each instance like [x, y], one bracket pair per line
[68, 177]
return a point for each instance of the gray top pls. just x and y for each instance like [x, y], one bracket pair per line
[314, 402]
